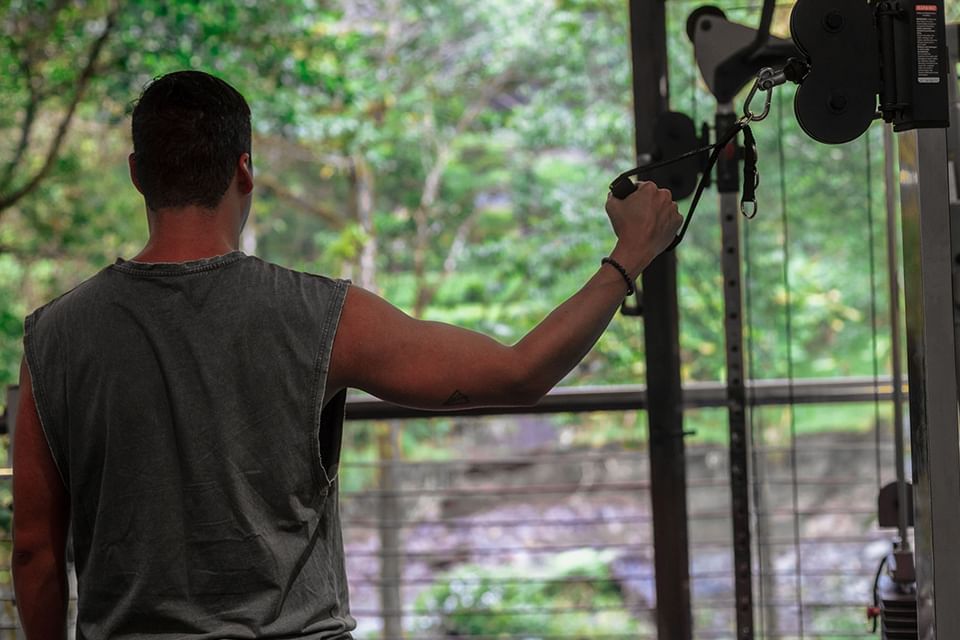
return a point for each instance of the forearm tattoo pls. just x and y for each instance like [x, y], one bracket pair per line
[456, 399]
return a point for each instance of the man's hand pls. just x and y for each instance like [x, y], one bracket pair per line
[646, 222]
[430, 365]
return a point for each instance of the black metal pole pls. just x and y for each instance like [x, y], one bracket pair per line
[728, 186]
[661, 320]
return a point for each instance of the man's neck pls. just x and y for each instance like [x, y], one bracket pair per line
[178, 253]
[186, 236]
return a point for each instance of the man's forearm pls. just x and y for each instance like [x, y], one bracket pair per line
[552, 349]
[40, 585]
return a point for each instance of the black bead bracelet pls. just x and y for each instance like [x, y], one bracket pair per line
[626, 277]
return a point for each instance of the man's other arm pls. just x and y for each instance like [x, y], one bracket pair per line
[40, 521]
[431, 365]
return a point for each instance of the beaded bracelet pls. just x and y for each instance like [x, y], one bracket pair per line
[619, 267]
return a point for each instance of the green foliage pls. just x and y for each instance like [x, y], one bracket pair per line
[517, 112]
[839, 624]
[572, 594]
[521, 112]
[482, 135]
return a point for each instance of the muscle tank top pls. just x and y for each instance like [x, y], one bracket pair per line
[184, 407]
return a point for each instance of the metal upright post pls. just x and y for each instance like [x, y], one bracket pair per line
[896, 339]
[661, 318]
[728, 185]
[953, 160]
[933, 382]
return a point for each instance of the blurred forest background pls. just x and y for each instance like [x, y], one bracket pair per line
[453, 156]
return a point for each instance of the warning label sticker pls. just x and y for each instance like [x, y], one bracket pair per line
[928, 48]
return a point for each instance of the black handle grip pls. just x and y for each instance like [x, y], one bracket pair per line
[623, 187]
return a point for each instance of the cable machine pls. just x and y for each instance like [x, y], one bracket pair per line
[889, 59]
[854, 61]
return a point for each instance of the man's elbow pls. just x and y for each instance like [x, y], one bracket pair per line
[35, 548]
[21, 558]
[524, 387]
[30, 556]
[531, 394]
[26, 564]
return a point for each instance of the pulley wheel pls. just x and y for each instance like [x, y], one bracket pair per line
[708, 10]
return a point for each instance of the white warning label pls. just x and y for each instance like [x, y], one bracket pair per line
[928, 48]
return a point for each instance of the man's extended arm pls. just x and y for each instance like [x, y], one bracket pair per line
[40, 521]
[430, 365]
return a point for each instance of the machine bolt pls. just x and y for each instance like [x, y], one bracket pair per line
[833, 22]
[837, 102]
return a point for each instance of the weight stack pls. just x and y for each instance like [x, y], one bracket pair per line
[898, 609]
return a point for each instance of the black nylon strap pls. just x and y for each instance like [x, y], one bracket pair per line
[751, 175]
[623, 186]
[718, 148]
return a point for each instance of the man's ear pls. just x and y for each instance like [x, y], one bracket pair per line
[132, 161]
[245, 174]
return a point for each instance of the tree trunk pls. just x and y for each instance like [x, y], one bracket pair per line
[388, 507]
[388, 516]
[363, 210]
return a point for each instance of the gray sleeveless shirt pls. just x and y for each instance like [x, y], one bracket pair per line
[184, 407]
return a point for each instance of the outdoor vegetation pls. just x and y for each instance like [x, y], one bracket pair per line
[454, 157]
[580, 580]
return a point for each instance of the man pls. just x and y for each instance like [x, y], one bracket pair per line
[183, 410]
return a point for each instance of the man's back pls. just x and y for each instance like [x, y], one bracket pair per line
[182, 404]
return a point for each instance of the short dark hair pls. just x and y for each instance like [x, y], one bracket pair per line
[189, 130]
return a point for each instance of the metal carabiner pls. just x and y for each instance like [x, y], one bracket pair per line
[762, 82]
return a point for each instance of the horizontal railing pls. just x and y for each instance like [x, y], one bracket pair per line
[696, 395]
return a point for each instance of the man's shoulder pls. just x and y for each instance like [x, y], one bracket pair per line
[291, 273]
[81, 294]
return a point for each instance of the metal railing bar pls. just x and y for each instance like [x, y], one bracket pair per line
[518, 611]
[702, 633]
[711, 515]
[572, 457]
[485, 551]
[631, 397]
[502, 491]
[706, 576]
[539, 636]
[585, 488]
